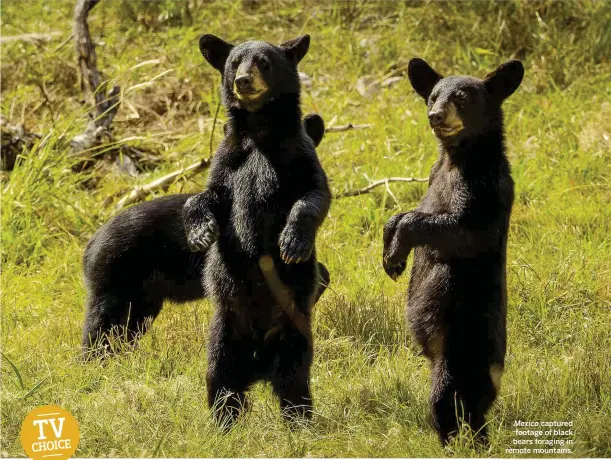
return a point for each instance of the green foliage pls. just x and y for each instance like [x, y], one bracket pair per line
[369, 382]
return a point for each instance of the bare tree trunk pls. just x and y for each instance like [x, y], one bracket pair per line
[92, 81]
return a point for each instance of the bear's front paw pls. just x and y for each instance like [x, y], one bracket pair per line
[203, 234]
[394, 269]
[390, 228]
[396, 245]
[295, 245]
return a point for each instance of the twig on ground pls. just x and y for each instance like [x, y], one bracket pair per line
[348, 127]
[377, 183]
[139, 193]
[65, 42]
[33, 37]
[392, 195]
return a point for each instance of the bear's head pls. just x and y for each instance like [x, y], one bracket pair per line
[462, 107]
[255, 72]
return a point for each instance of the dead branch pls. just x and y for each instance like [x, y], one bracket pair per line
[92, 82]
[139, 193]
[377, 183]
[348, 127]
[65, 42]
[33, 37]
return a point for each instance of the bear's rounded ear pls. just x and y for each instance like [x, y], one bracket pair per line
[215, 50]
[505, 79]
[296, 49]
[422, 77]
[315, 127]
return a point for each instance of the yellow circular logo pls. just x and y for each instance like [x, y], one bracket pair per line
[49, 433]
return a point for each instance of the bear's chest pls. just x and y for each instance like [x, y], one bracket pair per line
[260, 204]
[443, 191]
[255, 182]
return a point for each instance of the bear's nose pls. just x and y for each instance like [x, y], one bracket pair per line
[436, 118]
[243, 82]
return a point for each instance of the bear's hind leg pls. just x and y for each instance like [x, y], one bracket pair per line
[480, 391]
[291, 374]
[443, 402]
[141, 314]
[101, 319]
[293, 391]
[462, 395]
[225, 400]
[230, 371]
[113, 319]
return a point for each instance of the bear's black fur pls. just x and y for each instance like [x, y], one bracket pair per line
[131, 265]
[265, 199]
[457, 294]
[140, 258]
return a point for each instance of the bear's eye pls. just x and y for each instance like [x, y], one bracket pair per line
[460, 97]
[264, 64]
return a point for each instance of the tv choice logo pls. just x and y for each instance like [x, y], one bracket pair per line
[49, 433]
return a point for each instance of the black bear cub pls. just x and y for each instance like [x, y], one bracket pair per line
[457, 296]
[265, 199]
[139, 259]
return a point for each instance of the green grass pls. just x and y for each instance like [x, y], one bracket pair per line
[369, 383]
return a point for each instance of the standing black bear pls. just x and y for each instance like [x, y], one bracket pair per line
[457, 294]
[265, 199]
[140, 258]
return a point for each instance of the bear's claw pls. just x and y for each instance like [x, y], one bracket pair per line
[394, 270]
[203, 236]
[295, 247]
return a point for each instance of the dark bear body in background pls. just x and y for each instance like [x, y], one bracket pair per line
[457, 294]
[140, 258]
[132, 264]
[265, 198]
